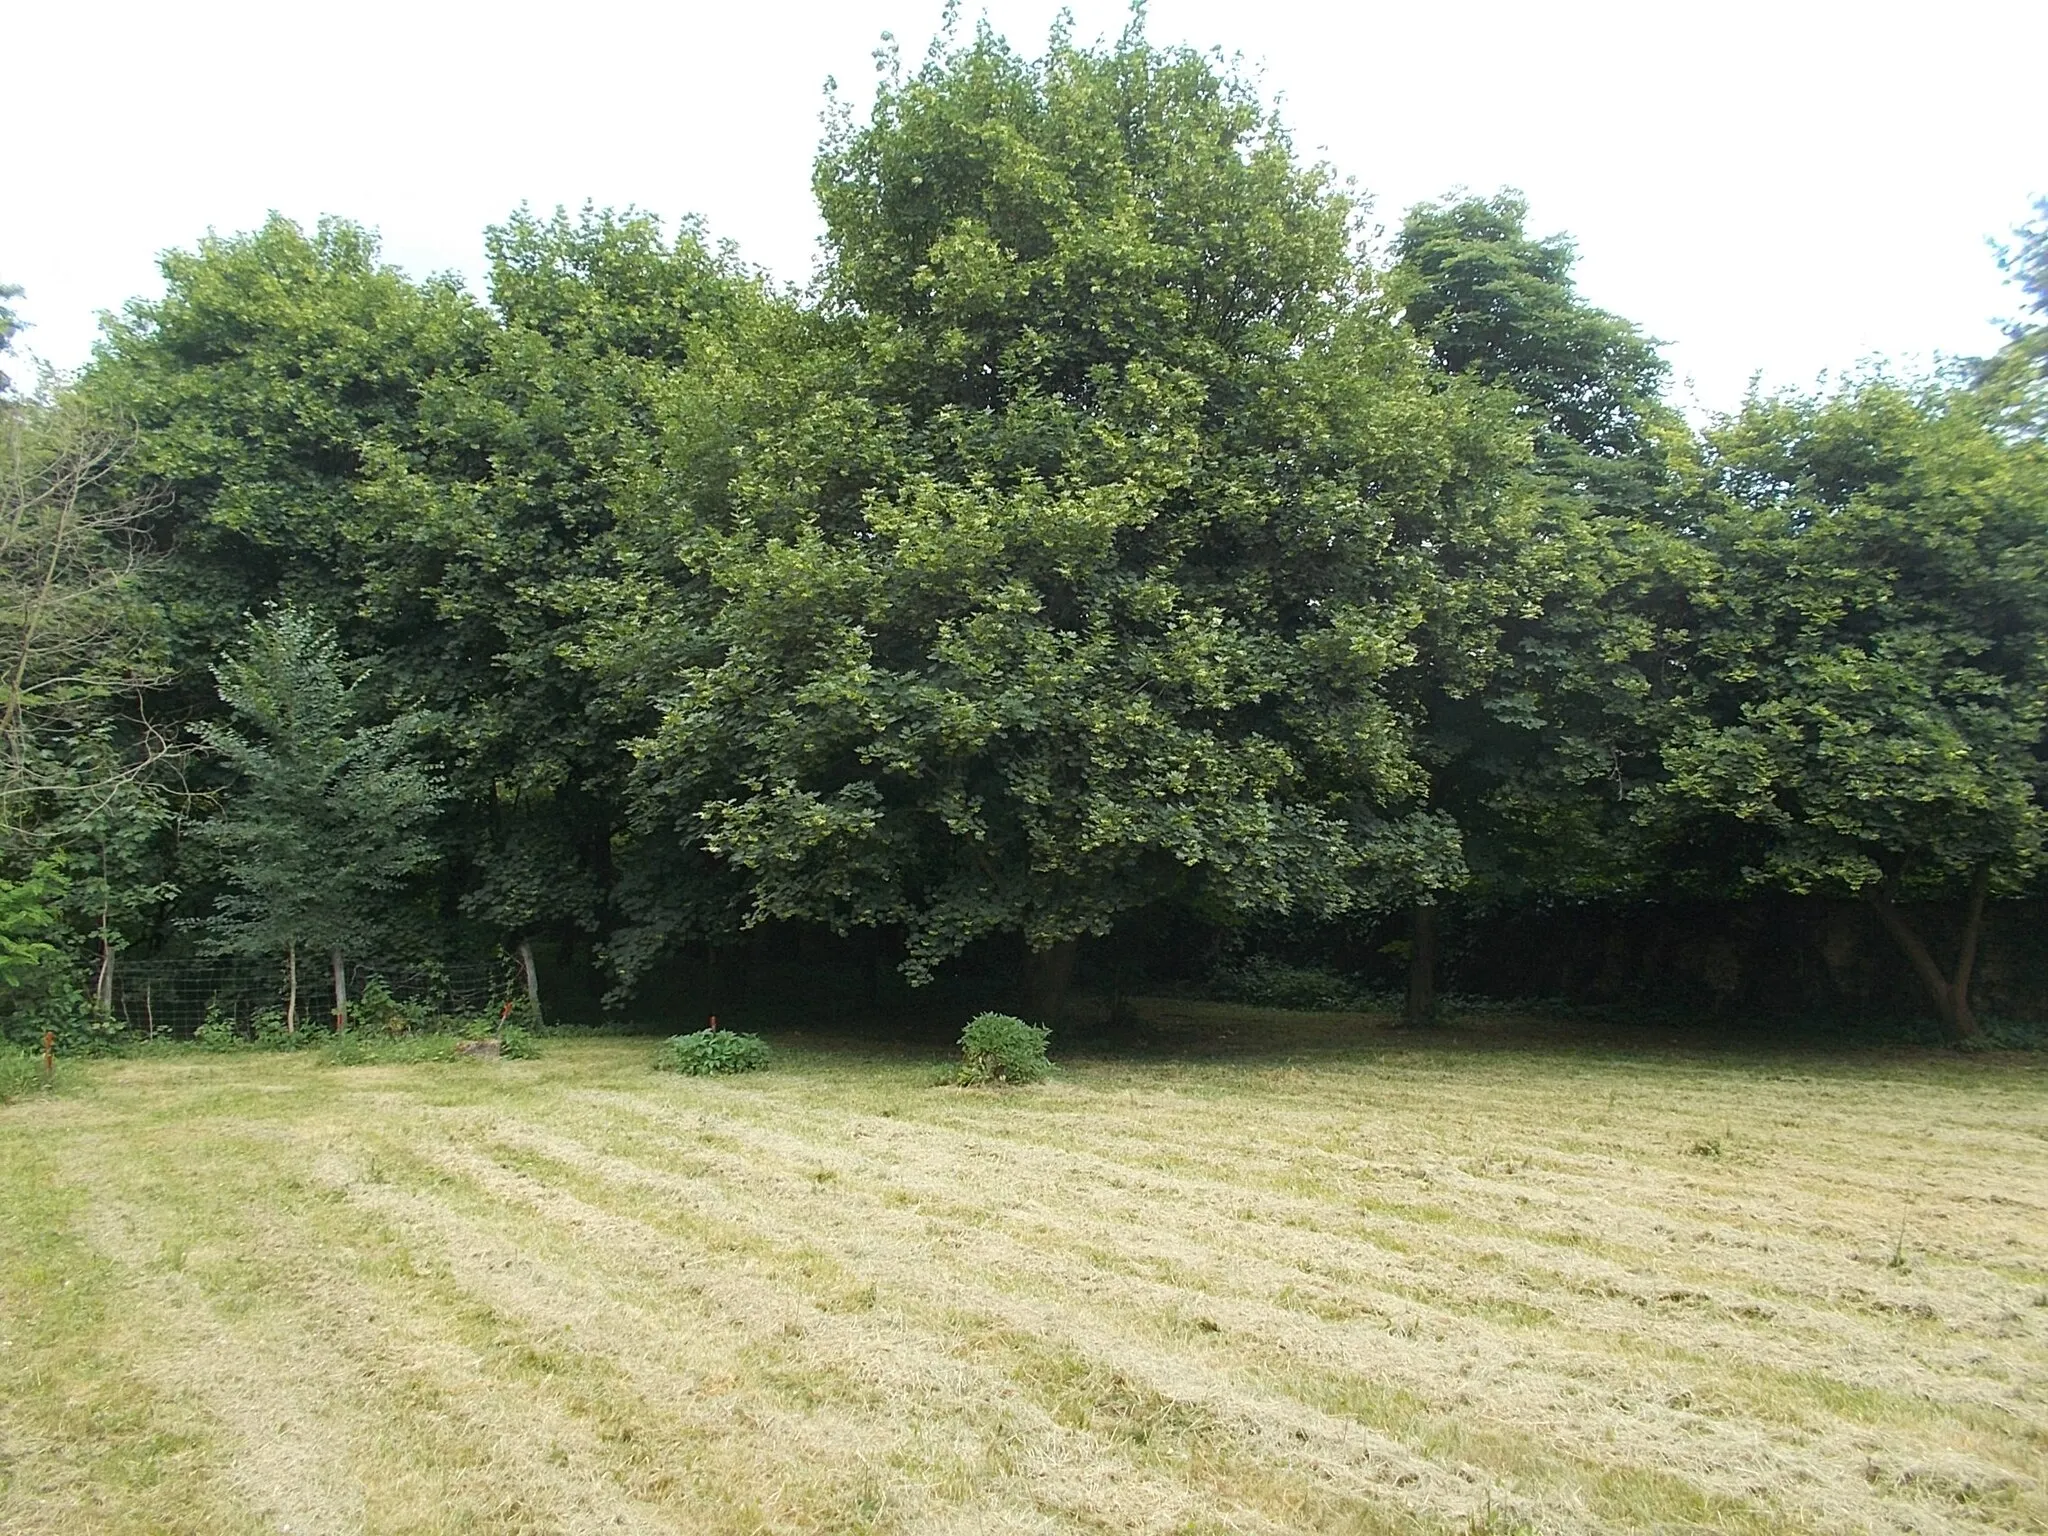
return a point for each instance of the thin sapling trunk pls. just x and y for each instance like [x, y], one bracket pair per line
[291, 990]
[340, 993]
[532, 975]
[103, 993]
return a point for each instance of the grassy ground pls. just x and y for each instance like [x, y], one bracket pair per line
[1405, 1287]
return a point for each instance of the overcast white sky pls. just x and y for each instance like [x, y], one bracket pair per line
[1786, 187]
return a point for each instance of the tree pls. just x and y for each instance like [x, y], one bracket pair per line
[1869, 679]
[80, 643]
[2025, 261]
[2015, 381]
[10, 327]
[1076, 572]
[437, 481]
[580, 416]
[1499, 305]
[1526, 749]
[35, 970]
[327, 817]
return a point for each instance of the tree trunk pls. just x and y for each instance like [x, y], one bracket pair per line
[1048, 974]
[103, 993]
[1420, 1007]
[1950, 995]
[1966, 1024]
[291, 990]
[340, 992]
[532, 977]
[877, 958]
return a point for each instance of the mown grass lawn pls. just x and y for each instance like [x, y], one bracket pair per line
[1408, 1287]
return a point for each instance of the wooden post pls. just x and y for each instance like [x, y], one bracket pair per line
[49, 1057]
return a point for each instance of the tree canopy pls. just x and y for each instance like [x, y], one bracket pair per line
[1110, 530]
[1084, 572]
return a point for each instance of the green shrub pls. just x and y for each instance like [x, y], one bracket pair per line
[266, 1026]
[218, 1032]
[2015, 1034]
[516, 1042]
[345, 1050]
[377, 1011]
[711, 1052]
[1264, 981]
[998, 1048]
[40, 986]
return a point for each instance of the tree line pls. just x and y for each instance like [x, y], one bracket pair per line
[1111, 526]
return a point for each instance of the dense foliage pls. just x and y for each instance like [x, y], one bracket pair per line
[1002, 1048]
[1110, 532]
[713, 1053]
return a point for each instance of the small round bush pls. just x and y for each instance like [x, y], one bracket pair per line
[709, 1052]
[1000, 1048]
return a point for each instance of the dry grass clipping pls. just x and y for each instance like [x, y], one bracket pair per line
[1409, 1289]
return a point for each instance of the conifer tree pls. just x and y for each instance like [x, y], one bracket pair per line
[328, 815]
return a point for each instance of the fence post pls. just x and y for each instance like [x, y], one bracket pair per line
[49, 1057]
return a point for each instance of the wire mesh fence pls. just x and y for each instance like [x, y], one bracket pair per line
[154, 997]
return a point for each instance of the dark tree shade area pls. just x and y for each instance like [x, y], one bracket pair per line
[1115, 571]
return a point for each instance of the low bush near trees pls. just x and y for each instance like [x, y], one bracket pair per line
[1000, 1048]
[1271, 983]
[714, 1052]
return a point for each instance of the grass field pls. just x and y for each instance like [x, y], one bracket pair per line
[1405, 1287]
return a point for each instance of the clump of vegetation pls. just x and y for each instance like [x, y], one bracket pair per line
[217, 1032]
[1273, 983]
[713, 1053]
[1001, 1048]
[21, 1074]
[379, 1012]
[382, 1028]
[356, 1049]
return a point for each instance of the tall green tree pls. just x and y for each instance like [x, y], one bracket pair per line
[583, 413]
[1867, 686]
[279, 375]
[1528, 754]
[437, 480]
[1501, 305]
[1082, 571]
[326, 819]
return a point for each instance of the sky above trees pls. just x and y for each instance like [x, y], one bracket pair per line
[1774, 187]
